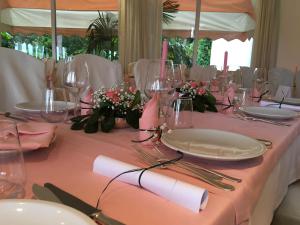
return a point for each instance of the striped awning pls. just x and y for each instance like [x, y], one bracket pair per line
[229, 19]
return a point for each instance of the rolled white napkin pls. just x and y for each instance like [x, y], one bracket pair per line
[276, 105]
[184, 194]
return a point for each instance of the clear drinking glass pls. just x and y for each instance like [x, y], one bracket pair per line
[12, 173]
[76, 80]
[160, 79]
[55, 106]
[242, 98]
[181, 114]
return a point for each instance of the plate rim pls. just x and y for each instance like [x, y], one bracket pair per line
[38, 202]
[292, 114]
[217, 158]
[37, 110]
[287, 101]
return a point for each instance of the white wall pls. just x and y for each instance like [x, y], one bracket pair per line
[288, 55]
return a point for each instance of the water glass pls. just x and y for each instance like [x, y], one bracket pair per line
[181, 114]
[12, 173]
[55, 106]
[242, 98]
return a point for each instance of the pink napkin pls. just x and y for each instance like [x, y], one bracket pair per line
[255, 93]
[33, 135]
[214, 86]
[87, 98]
[149, 119]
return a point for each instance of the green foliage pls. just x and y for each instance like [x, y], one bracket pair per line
[102, 36]
[181, 51]
[204, 52]
[6, 40]
[75, 44]
[105, 116]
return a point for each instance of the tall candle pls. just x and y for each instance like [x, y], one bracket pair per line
[164, 54]
[225, 68]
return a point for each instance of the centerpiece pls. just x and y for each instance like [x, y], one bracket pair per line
[108, 107]
[202, 98]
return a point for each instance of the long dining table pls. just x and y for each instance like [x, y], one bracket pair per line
[68, 163]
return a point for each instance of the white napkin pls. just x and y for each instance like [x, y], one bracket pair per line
[184, 194]
[276, 105]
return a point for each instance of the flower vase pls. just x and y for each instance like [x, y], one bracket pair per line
[121, 123]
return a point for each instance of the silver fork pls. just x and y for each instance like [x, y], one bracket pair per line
[150, 159]
[197, 167]
[244, 117]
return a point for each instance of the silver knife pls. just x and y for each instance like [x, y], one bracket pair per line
[76, 203]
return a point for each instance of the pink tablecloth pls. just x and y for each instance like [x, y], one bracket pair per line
[68, 164]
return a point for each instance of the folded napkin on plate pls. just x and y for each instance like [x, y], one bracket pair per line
[184, 194]
[35, 135]
[149, 119]
[276, 105]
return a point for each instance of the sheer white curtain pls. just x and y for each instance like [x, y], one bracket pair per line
[140, 30]
[266, 34]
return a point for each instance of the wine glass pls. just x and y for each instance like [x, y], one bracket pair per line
[54, 107]
[160, 80]
[76, 80]
[181, 113]
[12, 173]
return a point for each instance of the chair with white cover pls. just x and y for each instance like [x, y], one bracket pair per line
[203, 73]
[288, 213]
[297, 84]
[103, 73]
[281, 77]
[22, 78]
[140, 73]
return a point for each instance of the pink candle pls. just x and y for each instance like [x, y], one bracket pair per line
[225, 67]
[163, 58]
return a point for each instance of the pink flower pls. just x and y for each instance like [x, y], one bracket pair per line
[110, 94]
[201, 91]
[194, 84]
[132, 89]
[203, 83]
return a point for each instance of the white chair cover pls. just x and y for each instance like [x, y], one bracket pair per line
[140, 73]
[22, 78]
[283, 92]
[203, 73]
[297, 83]
[281, 76]
[102, 72]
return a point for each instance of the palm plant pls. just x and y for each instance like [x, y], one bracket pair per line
[169, 8]
[102, 36]
[102, 33]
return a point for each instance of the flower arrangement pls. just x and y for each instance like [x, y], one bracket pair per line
[202, 98]
[108, 105]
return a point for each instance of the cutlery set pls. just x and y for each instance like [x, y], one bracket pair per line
[50, 192]
[209, 176]
[251, 118]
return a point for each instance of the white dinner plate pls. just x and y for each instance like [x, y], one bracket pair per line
[289, 101]
[36, 212]
[213, 144]
[35, 107]
[268, 112]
